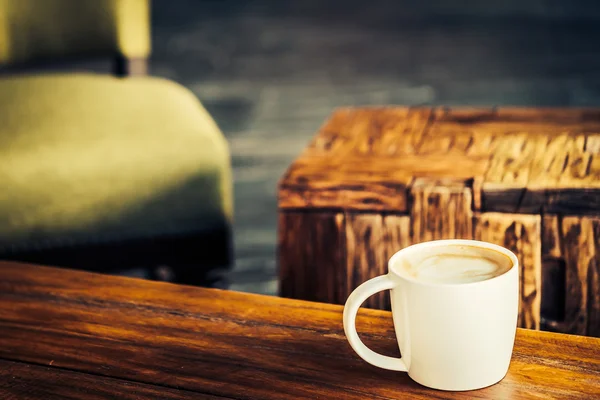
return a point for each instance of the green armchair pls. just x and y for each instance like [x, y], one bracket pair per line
[107, 173]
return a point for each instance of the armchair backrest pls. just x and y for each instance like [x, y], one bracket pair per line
[38, 29]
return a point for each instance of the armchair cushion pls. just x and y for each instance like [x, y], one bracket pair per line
[90, 158]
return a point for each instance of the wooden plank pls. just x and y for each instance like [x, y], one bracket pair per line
[533, 173]
[401, 130]
[312, 262]
[339, 169]
[557, 200]
[440, 209]
[565, 163]
[553, 273]
[593, 328]
[380, 132]
[292, 241]
[365, 258]
[243, 346]
[512, 159]
[328, 183]
[586, 117]
[468, 135]
[593, 314]
[571, 257]
[551, 246]
[592, 144]
[397, 230]
[371, 239]
[324, 257]
[29, 381]
[524, 160]
[506, 180]
[582, 256]
[355, 183]
[365, 159]
[521, 234]
[540, 161]
[397, 237]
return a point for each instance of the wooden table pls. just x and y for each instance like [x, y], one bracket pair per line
[82, 335]
[375, 180]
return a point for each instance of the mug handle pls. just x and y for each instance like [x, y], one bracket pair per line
[356, 298]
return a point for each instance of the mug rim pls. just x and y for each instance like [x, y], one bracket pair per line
[452, 242]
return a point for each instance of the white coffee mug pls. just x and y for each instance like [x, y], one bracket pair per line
[452, 336]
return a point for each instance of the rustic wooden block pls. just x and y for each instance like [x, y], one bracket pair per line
[525, 178]
[351, 249]
[371, 239]
[581, 236]
[521, 234]
[551, 236]
[440, 209]
[309, 245]
[365, 255]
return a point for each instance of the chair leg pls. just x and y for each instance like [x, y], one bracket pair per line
[124, 66]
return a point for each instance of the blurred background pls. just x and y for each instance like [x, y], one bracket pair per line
[270, 72]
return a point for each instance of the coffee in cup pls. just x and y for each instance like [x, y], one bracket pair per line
[454, 264]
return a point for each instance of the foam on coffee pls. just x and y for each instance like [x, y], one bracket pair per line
[454, 264]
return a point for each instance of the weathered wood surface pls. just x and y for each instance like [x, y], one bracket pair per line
[559, 259]
[365, 255]
[553, 273]
[440, 209]
[323, 256]
[371, 239]
[445, 169]
[22, 381]
[105, 330]
[581, 236]
[527, 160]
[358, 246]
[310, 246]
[571, 265]
[521, 234]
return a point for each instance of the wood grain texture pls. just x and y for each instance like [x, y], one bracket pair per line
[441, 165]
[345, 184]
[581, 236]
[440, 209]
[241, 346]
[324, 257]
[551, 243]
[521, 234]
[311, 255]
[21, 381]
[552, 308]
[533, 172]
[371, 239]
[398, 234]
[365, 256]
[571, 259]
[527, 160]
